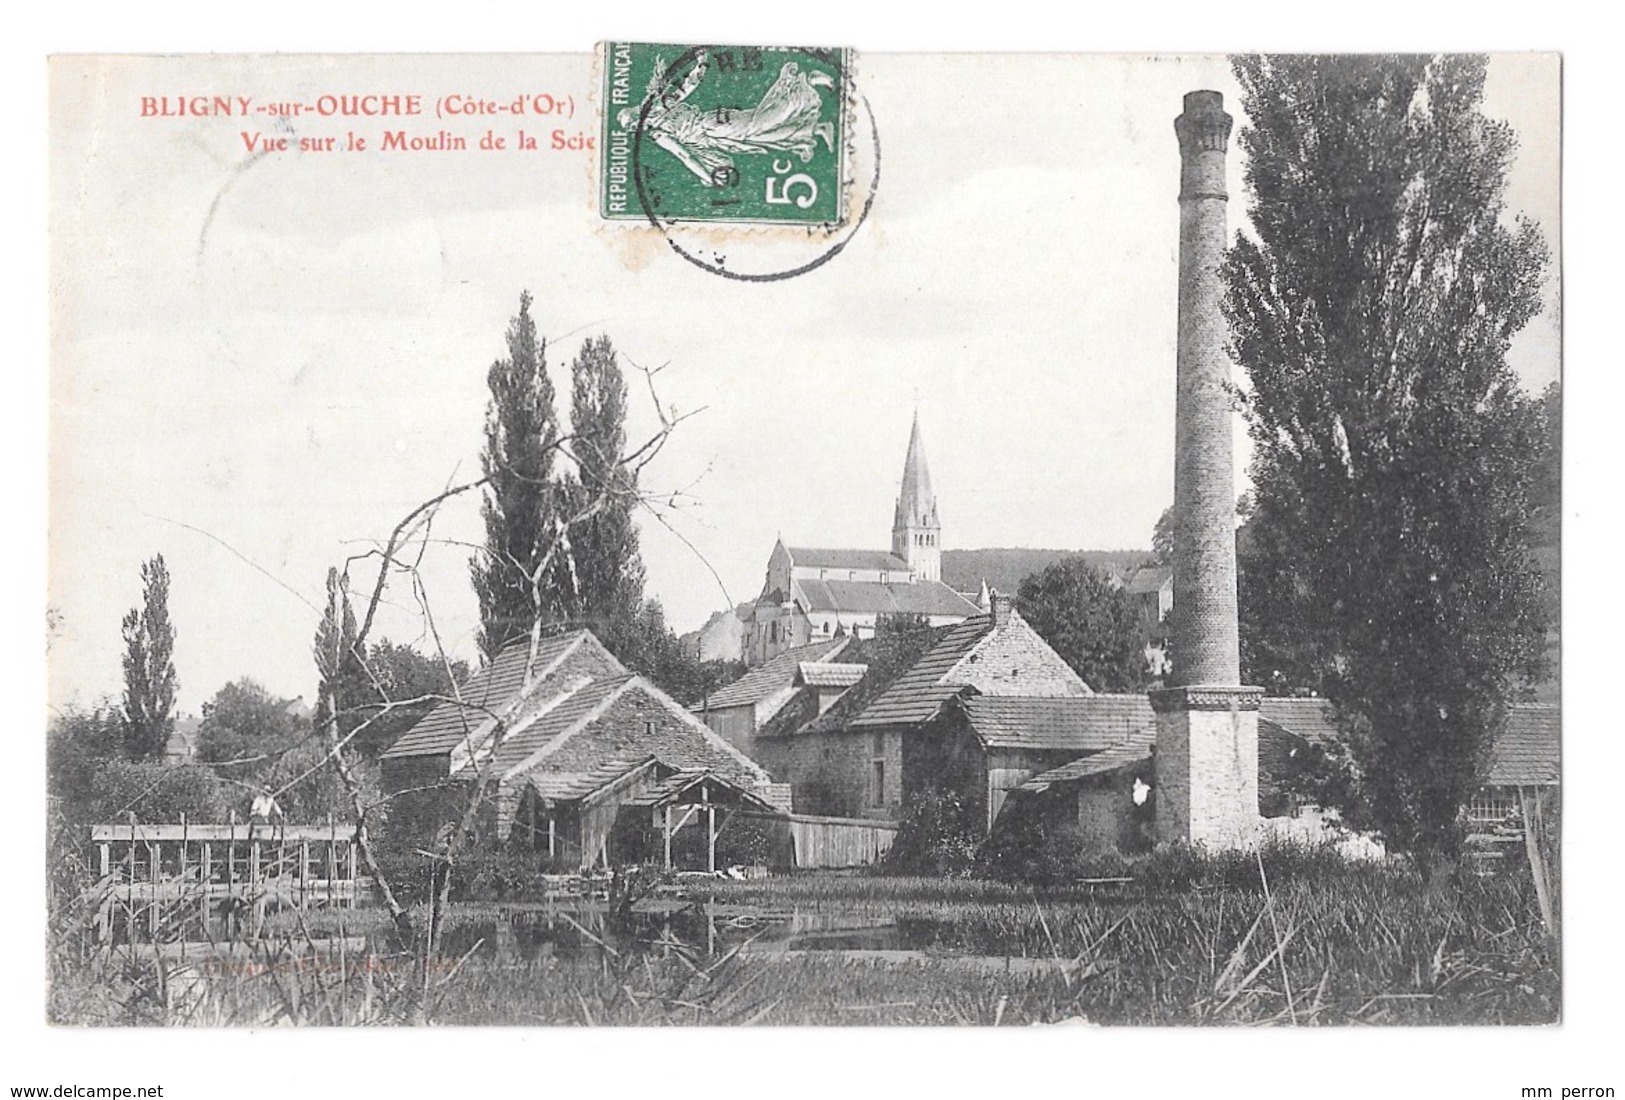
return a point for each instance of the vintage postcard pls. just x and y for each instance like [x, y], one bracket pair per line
[756, 533]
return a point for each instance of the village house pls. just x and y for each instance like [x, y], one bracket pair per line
[812, 595]
[592, 760]
[722, 637]
[738, 710]
[978, 703]
[1151, 587]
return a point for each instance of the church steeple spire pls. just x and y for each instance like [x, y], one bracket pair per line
[916, 535]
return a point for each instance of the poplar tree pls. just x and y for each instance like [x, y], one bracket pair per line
[1372, 310]
[608, 571]
[520, 502]
[149, 667]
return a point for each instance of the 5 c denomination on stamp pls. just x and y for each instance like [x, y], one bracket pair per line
[724, 134]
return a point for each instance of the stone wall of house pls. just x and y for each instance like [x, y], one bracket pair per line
[1109, 819]
[639, 724]
[833, 773]
[735, 725]
[425, 798]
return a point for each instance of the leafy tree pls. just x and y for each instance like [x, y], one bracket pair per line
[1372, 313]
[1093, 626]
[149, 666]
[649, 647]
[90, 781]
[245, 728]
[77, 743]
[260, 742]
[520, 506]
[1162, 537]
[401, 673]
[1279, 652]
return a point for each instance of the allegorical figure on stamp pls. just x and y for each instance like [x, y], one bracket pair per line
[707, 140]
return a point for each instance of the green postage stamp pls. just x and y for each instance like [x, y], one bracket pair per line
[730, 134]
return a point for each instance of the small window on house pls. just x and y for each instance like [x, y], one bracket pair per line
[877, 792]
[648, 729]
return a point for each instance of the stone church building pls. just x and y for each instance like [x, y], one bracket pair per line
[813, 595]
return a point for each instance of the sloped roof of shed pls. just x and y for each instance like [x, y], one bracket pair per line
[1134, 749]
[674, 785]
[1313, 719]
[1082, 723]
[1529, 751]
[574, 786]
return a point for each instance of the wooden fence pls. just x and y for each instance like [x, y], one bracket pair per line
[834, 841]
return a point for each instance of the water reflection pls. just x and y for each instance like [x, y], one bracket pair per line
[524, 936]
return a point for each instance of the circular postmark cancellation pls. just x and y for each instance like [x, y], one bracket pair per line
[751, 161]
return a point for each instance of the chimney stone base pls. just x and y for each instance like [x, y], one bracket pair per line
[1207, 766]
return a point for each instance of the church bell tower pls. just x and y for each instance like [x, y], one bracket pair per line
[916, 533]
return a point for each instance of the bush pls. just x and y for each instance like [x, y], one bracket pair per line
[938, 835]
[1034, 852]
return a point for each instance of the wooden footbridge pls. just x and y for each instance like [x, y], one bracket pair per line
[203, 881]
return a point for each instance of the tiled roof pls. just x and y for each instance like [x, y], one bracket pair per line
[1312, 719]
[1132, 750]
[1081, 723]
[830, 674]
[813, 558]
[872, 597]
[1149, 578]
[1529, 752]
[917, 694]
[559, 718]
[887, 659]
[773, 676]
[490, 689]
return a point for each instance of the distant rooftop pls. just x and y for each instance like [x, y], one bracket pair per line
[814, 558]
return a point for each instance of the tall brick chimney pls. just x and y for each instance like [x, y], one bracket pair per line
[1207, 724]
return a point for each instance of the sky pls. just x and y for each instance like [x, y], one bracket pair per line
[261, 363]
